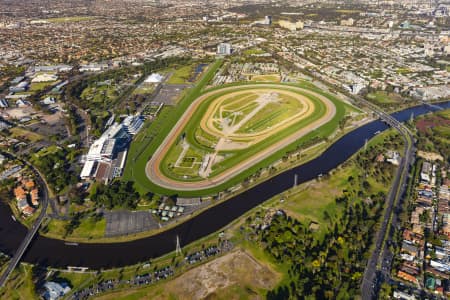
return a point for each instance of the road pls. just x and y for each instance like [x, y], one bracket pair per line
[378, 267]
[32, 232]
[379, 264]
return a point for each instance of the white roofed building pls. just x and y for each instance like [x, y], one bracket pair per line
[54, 290]
[105, 149]
[101, 149]
[154, 78]
[89, 169]
[133, 124]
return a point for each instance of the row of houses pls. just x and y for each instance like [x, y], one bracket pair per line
[425, 261]
[4, 103]
[27, 196]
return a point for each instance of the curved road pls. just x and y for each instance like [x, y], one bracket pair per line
[56, 253]
[155, 175]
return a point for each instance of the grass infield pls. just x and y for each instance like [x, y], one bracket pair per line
[153, 135]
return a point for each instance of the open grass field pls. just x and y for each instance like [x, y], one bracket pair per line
[253, 51]
[19, 285]
[20, 133]
[444, 114]
[348, 11]
[88, 229]
[68, 19]
[181, 75]
[249, 122]
[403, 71]
[39, 86]
[144, 88]
[384, 97]
[266, 78]
[99, 94]
[44, 152]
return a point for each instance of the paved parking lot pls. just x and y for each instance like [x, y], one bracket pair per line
[169, 94]
[126, 222]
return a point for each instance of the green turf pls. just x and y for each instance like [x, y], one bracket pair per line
[253, 51]
[204, 138]
[69, 19]
[403, 71]
[154, 134]
[89, 228]
[444, 114]
[266, 78]
[383, 97]
[181, 75]
[141, 152]
[39, 86]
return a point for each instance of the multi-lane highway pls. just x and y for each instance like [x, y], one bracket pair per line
[379, 263]
[33, 230]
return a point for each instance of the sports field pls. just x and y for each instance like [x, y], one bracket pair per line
[226, 131]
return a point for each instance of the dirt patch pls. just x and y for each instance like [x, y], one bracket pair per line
[236, 268]
[430, 155]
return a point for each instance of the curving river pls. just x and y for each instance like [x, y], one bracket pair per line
[56, 253]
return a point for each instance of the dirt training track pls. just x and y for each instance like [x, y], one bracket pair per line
[155, 175]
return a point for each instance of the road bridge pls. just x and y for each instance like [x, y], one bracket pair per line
[33, 230]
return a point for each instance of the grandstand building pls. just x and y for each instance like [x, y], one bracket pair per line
[106, 156]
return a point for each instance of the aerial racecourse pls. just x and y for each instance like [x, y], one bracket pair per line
[228, 130]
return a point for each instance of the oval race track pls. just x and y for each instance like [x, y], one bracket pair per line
[56, 253]
[153, 168]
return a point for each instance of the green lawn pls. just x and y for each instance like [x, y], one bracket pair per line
[266, 78]
[144, 88]
[308, 202]
[77, 280]
[181, 75]
[444, 113]
[68, 19]
[253, 51]
[39, 86]
[45, 151]
[403, 71]
[384, 97]
[100, 94]
[443, 131]
[20, 133]
[88, 229]
[19, 285]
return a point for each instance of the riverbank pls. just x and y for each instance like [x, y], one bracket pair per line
[128, 253]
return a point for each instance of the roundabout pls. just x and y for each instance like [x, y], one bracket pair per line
[226, 131]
